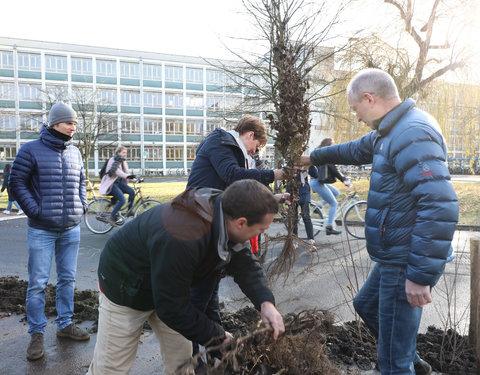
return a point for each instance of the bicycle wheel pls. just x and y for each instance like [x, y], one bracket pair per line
[98, 207]
[316, 215]
[354, 219]
[146, 205]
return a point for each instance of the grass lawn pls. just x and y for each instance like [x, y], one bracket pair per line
[468, 195]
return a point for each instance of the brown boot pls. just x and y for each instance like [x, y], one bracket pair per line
[35, 348]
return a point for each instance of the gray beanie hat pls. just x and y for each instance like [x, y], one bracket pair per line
[61, 112]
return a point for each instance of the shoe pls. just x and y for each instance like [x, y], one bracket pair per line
[35, 348]
[6, 212]
[330, 231]
[20, 212]
[311, 241]
[110, 220]
[422, 368]
[73, 332]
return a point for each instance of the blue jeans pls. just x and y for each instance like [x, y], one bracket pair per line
[118, 190]
[383, 306]
[305, 208]
[204, 296]
[9, 205]
[329, 194]
[42, 245]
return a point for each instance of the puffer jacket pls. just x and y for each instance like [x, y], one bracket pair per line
[152, 262]
[48, 181]
[219, 162]
[412, 205]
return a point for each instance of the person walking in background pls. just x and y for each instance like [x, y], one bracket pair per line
[115, 183]
[148, 267]
[327, 175]
[412, 212]
[48, 181]
[304, 201]
[221, 159]
[11, 200]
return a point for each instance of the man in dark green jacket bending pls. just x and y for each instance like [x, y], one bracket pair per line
[147, 268]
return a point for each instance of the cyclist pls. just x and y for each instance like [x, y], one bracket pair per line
[115, 183]
[327, 175]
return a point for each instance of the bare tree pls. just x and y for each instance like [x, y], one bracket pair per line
[276, 79]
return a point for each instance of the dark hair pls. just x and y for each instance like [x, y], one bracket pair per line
[253, 124]
[249, 199]
[7, 168]
[326, 142]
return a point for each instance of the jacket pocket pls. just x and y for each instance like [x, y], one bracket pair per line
[383, 219]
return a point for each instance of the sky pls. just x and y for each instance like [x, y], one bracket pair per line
[182, 27]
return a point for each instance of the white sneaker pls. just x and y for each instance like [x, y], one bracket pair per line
[6, 212]
[311, 241]
[20, 212]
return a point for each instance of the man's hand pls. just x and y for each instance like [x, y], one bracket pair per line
[278, 174]
[347, 183]
[417, 295]
[228, 337]
[305, 160]
[283, 198]
[271, 317]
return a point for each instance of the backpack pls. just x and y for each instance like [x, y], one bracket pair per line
[103, 171]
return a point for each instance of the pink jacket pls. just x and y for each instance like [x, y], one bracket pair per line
[107, 181]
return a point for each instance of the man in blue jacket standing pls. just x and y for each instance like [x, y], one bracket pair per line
[411, 215]
[48, 181]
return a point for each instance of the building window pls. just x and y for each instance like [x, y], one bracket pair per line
[152, 126]
[106, 152]
[233, 103]
[134, 153]
[129, 70]
[6, 60]
[29, 61]
[154, 153]
[214, 103]
[152, 99]
[107, 96]
[106, 68]
[54, 93]
[173, 100]
[174, 127]
[29, 92]
[130, 98]
[131, 125]
[81, 65]
[173, 73]
[7, 152]
[191, 150]
[194, 101]
[174, 153]
[152, 72]
[30, 122]
[55, 64]
[215, 77]
[212, 125]
[7, 91]
[108, 125]
[7, 121]
[194, 75]
[194, 127]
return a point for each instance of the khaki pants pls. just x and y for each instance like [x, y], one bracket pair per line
[119, 330]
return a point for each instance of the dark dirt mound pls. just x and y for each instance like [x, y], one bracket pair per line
[312, 343]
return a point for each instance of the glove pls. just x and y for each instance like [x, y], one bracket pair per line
[131, 177]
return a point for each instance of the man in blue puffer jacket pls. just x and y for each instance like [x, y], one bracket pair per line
[411, 216]
[48, 181]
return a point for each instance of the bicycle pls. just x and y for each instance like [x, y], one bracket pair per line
[101, 206]
[351, 212]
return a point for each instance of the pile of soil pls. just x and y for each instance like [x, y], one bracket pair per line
[312, 343]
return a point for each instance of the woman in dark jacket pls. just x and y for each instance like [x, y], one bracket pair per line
[328, 174]
[11, 199]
